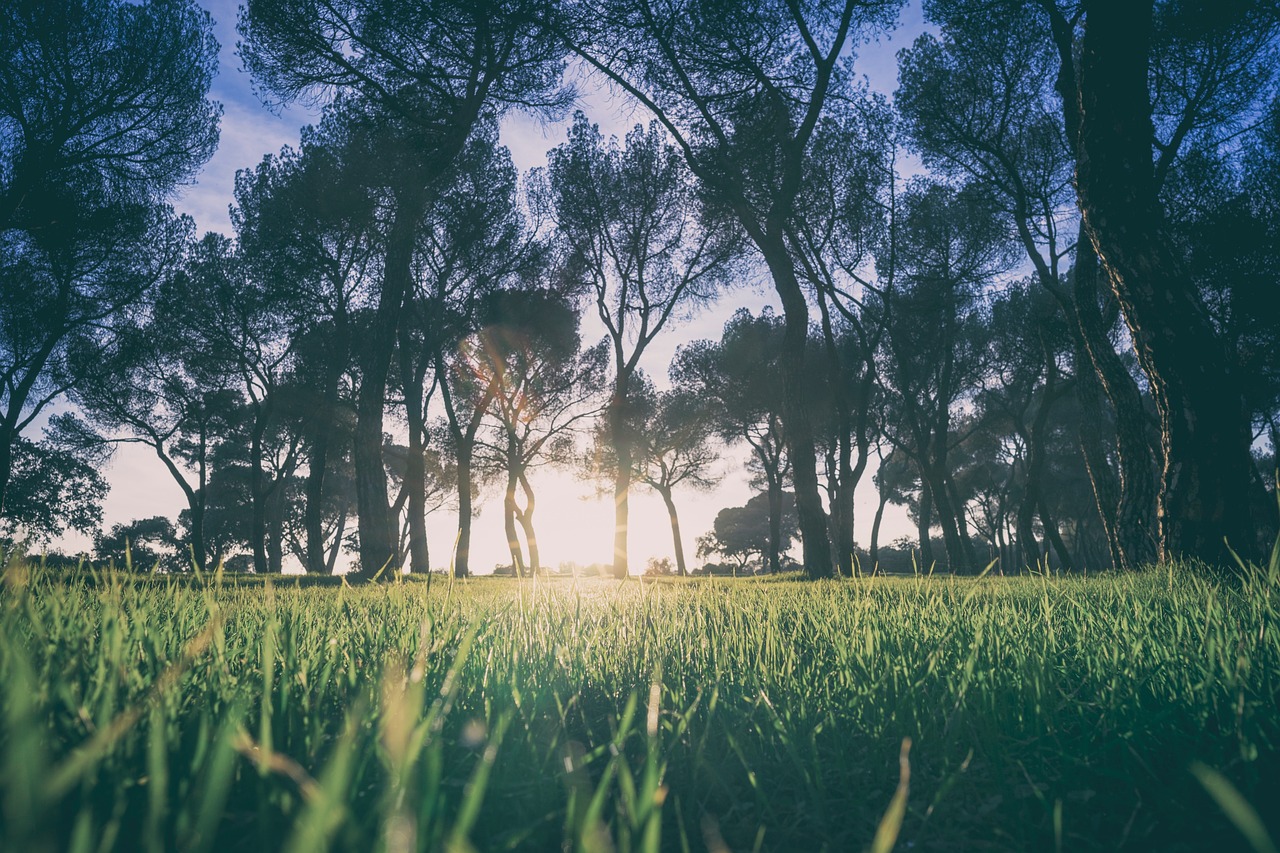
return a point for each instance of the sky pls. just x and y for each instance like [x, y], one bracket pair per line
[573, 523]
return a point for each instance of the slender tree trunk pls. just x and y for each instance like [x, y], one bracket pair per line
[874, 553]
[1102, 480]
[331, 565]
[258, 498]
[275, 529]
[525, 518]
[378, 545]
[800, 438]
[962, 524]
[509, 511]
[1205, 494]
[956, 559]
[415, 482]
[676, 541]
[622, 476]
[462, 552]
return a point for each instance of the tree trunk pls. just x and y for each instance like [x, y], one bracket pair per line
[874, 553]
[800, 440]
[1135, 510]
[462, 551]
[275, 529]
[681, 569]
[774, 482]
[525, 517]
[258, 498]
[1205, 483]
[1054, 537]
[1102, 480]
[378, 546]
[622, 476]
[313, 512]
[924, 522]
[331, 566]
[415, 482]
[509, 511]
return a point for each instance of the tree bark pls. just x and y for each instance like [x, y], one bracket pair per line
[1205, 482]
[525, 517]
[676, 540]
[1135, 509]
[378, 541]
[800, 439]
[622, 476]
[874, 553]
[924, 523]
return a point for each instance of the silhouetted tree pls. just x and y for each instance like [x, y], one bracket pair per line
[739, 378]
[630, 220]
[103, 111]
[419, 78]
[742, 87]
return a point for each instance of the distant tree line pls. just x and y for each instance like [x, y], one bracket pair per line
[1056, 344]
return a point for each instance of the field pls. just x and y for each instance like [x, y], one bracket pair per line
[1134, 711]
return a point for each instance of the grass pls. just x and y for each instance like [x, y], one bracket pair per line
[1131, 710]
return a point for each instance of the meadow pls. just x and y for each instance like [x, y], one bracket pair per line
[1129, 711]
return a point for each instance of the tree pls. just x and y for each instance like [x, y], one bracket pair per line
[103, 111]
[307, 228]
[951, 244]
[632, 228]
[978, 103]
[844, 213]
[475, 241]
[151, 385]
[743, 109]
[55, 485]
[739, 378]
[545, 390]
[739, 532]
[675, 450]
[418, 78]
[144, 544]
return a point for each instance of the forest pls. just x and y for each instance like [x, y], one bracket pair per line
[1053, 339]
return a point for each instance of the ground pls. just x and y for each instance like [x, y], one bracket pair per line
[1127, 711]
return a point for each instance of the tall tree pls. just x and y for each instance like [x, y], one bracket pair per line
[978, 103]
[545, 392]
[951, 245]
[742, 87]
[307, 229]
[676, 451]
[421, 76]
[739, 378]
[103, 111]
[630, 220]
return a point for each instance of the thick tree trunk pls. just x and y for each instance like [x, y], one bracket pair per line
[1134, 512]
[1205, 484]
[800, 440]
[7, 437]
[313, 512]
[378, 545]
[924, 523]
[774, 484]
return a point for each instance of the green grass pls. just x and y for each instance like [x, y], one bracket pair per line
[1130, 710]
